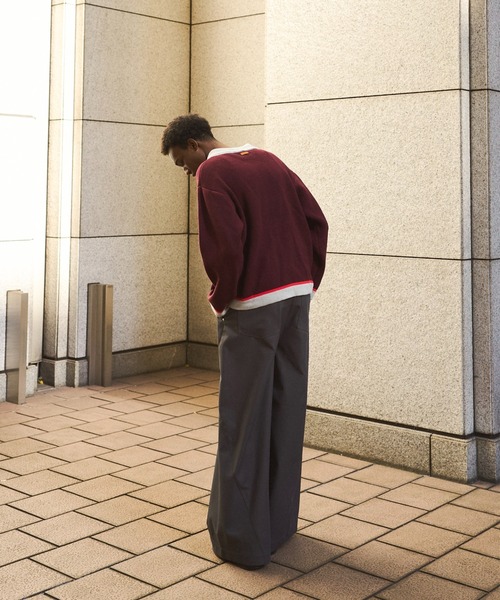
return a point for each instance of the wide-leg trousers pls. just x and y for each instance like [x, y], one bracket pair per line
[254, 503]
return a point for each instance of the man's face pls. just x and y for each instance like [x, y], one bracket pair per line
[189, 158]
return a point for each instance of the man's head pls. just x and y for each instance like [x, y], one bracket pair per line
[187, 140]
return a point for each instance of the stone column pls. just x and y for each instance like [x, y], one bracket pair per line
[117, 214]
[485, 135]
[369, 101]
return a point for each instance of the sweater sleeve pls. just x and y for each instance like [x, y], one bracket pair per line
[221, 238]
[318, 228]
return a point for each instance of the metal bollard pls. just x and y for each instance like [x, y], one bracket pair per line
[16, 345]
[100, 333]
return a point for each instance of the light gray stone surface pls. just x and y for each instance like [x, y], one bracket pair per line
[213, 10]
[125, 78]
[378, 48]
[488, 459]
[203, 356]
[391, 341]
[396, 177]
[175, 10]
[202, 325]
[372, 441]
[227, 83]
[453, 458]
[147, 360]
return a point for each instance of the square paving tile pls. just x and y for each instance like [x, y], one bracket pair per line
[424, 539]
[103, 488]
[103, 585]
[82, 557]
[304, 554]
[195, 588]
[163, 398]
[384, 513]
[16, 545]
[208, 434]
[15, 432]
[25, 578]
[89, 468]
[457, 518]
[140, 536]
[150, 473]
[169, 493]
[97, 413]
[192, 391]
[7, 495]
[444, 484]
[193, 421]
[382, 560]
[420, 585]
[209, 401]
[118, 511]
[190, 517]
[62, 437]
[132, 406]
[58, 422]
[65, 528]
[163, 566]
[143, 417]
[30, 463]
[177, 409]
[104, 426]
[119, 440]
[419, 496]
[39, 482]
[335, 581]
[76, 451]
[20, 447]
[11, 518]
[249, 583]
[157, 431]
[52, 503]
[343, 531]
[148, 388]
[282, 594]
[316, 508]
[487, 543]
[322, 471]
[465, 567]
[202, 479]
[198, 544]
[349, 490]
[132, 457]
[385, 476]
[175, 444]
[42, 411]
[483, 500]
[193, 460]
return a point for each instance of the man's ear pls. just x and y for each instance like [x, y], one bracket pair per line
[192, 144]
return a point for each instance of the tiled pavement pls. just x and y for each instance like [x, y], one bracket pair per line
[103, 496]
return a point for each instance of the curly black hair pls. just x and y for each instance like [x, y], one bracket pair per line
[183, 128]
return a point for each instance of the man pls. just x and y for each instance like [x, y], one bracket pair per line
[263, 240]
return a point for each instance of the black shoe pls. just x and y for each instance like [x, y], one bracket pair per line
[249, 567]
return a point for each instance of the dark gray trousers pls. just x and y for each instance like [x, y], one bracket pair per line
[263, 355]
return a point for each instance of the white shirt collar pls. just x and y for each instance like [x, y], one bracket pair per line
[218, 151]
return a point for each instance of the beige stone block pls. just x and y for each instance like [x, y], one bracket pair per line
[129, 192]
[397, 446]
[202, 321]
[148, 275]
[235, 63]
[398, 345]
[362, 48]
[484, 24]
[25, 578]
[421, 585]
[173, 10]
[454, 459]
[488, 457]
[214, 10]
[125, 78]
[395, 179]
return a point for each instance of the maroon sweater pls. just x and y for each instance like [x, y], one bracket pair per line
[262, 234]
